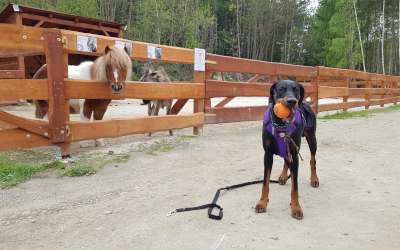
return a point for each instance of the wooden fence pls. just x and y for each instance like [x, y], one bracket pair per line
[18, 132]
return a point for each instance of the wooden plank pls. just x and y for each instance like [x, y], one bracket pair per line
[255, 78]
[68, 23]
[178, 106]
[38, 126]
[328, 92]
[239, 65]
[228, 89]
[384, 101]
[342, 105]
[139, 49]
[224, 102]
[5, 125]
[120, 127]
[234, 114]
[56, 85]
[24, 89]
[76, 89]
[12, 74]
[11, 139]
[294, 70]
[20, 41]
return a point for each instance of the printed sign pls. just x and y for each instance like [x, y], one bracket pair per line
[153, 52]
[199, 59]
[86, 44]
[128, 46]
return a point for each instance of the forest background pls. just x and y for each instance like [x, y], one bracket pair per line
[352, 34]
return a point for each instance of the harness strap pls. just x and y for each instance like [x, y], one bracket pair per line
[213, 204]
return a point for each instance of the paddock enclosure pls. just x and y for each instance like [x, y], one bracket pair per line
[32, 37]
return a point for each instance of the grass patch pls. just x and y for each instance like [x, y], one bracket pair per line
[164, 145]
[78, 171]
[362, 113]
[12, 173]
[189, 136]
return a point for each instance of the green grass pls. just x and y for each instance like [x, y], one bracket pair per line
[12, 171]
[362, 113]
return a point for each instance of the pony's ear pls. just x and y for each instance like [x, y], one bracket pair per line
[301, 93]
[272, 92]
[126, 50]
[107, 49]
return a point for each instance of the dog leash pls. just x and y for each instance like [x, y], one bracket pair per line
[214, 204]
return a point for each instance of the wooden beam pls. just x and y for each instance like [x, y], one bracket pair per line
[342, 105]
[294, 70]
[234, 114]
[78, 89]
[12, 74]
[239, 65]
[56, 85]
[5, 125]
[20, 41]
[120, 127]
[224, 102]
[67, 23]
[38, 126]
[231, 89]
[23, 89]
[39, 24]
[11, 139]
[139, 49]
[178, 106]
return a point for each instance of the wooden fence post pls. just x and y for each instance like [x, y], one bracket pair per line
[207, 101]
[346, 85]
[66, 147]
[199, 77]
[55, 70]
[315, 83]
[367, 96]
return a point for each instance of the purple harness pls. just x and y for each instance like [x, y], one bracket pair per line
[279, 133]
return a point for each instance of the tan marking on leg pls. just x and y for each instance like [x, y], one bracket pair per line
[314, 178]
[297, 213]
[263, 203]
[283, 177]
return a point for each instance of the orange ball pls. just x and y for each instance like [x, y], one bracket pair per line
[281, 111]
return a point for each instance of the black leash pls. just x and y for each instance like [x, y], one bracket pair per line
[213, 204]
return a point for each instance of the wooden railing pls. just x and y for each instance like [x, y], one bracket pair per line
[19, 132]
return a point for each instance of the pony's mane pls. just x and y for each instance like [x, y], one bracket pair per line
[116, 57]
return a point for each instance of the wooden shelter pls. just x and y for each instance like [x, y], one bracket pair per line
[26, 67]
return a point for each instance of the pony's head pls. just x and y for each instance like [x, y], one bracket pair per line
[114, 67]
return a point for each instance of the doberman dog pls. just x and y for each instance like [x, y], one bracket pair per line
[277, 133]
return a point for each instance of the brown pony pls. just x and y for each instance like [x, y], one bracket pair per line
[114, 68]
[153, 106]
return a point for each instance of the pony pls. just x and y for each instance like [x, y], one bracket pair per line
[153, 106]
[114, 68]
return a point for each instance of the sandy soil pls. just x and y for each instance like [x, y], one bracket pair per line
[124, 207]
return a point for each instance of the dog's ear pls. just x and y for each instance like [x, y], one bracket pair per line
[301, 93]
[272, 92]
[126, 50]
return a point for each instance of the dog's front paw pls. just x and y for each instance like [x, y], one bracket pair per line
[314, 181]
[297, 213]
[261, 207]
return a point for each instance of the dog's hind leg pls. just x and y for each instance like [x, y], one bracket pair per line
[261, 206]
[297, 213]
[284, 176]
[312, 143]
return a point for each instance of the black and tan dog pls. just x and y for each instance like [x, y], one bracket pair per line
[302, 122]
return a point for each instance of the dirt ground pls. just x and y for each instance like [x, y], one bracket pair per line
[123, 206]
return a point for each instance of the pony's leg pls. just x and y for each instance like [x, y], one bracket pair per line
[98, 114]
[150, 108]
[85, 115]
[168, 107]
